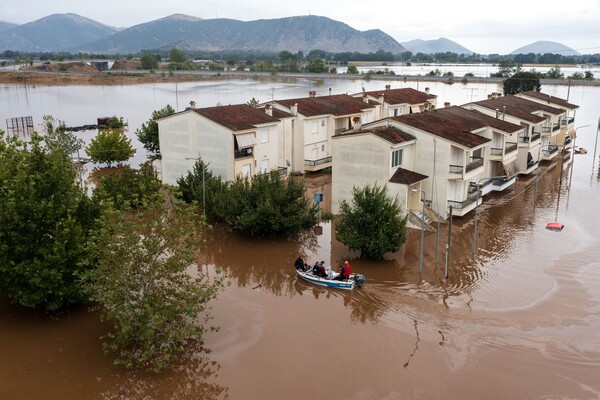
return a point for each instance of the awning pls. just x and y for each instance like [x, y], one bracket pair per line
[571, 133]
[415, 109]
[245, 140]
[511, 168]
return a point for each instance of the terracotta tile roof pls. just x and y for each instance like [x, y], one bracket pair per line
[519, 107]
[406, 177]
[402, 96]
[485, 119]
[390, 134]
[449, 125]
[238, 117]
[340, 104]
[550, 99]
[277, 113]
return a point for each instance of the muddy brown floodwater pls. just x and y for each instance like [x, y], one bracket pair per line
[519, 320]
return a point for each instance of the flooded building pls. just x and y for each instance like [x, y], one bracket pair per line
[394, 102]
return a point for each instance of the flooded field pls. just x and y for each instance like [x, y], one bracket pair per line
[517, 320]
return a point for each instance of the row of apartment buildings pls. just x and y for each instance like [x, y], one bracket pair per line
[451, 156]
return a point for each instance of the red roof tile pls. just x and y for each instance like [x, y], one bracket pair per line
[485, 119]
[388, 133]
[239, 117]
[406, 177]
[450, 125]
[402, 96]
[340, 104]
[550, 99]
[519, 107]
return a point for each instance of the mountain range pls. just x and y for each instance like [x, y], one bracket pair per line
[74, 33]
[543, 47]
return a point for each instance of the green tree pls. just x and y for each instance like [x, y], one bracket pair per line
[522, 82]
[589, 75]
[57, 136]
[148, 285]
[148, 133]
[110, 146]
[149, 61]
[177, 56]
[128, 187]
[46, 221]
[192, 185]
[316, 66]
[352, 69]
[373, 223]
[554, 73]
[253, 102]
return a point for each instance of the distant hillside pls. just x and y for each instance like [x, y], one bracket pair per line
[440, 45]
[4, 26]
[542, 47]
[57, 32]
[293, 34]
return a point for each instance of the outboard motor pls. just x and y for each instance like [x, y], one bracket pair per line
[359, 280]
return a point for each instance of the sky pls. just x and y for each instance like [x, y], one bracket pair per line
[482, 27]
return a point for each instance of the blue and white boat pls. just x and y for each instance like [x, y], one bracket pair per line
[355, 280]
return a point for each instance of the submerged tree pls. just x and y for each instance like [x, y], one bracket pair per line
[148, 284]
[522, 82]
[373, 223]
[148, 133]
[128, 187]
[110, 146]
[46, 221]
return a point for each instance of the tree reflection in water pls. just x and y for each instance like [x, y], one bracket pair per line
[189, 380]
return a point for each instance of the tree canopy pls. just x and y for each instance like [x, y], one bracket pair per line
[110, 146]
[148, 285]
[373, 223]
[148, 133]
[522, 82]
[128, 188]
[46, 221]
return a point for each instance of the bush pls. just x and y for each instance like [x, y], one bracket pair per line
[128, 187]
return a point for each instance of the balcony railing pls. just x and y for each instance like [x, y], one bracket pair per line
[510, 147]
[459, 205]
[546, 129]
[314, 163]
[495, 151]
[523, 139]
[551, 149]
[476, 163]
[535, 136]
[555, 127]
[247, 152]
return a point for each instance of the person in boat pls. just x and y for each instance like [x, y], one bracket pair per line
[329, 272]
[316, 270]
[344, 272]
[299, 264]
[322, 271]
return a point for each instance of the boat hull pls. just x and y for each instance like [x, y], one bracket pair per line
[346, 284]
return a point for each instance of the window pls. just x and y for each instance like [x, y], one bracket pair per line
[395, 112]
[323, 123]
[323, 147]
[246, 170]
[264, 165]
[397, 158]
[264, 136]
[314, 127]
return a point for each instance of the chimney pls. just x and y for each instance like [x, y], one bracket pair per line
[365, 98]
[357, 123]
[269, 110]
[503, 112]
[381, 98]
[192, 104]
[497, 112]
[330, 91]
[446, 104]
[294, 109]
[489, 96]
[427, 90]
[312, 93]
[388, 87]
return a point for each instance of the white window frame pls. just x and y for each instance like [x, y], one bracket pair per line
[264, 136]
[314, 127]
[397, 157]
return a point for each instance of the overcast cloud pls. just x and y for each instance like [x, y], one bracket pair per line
[482, 27]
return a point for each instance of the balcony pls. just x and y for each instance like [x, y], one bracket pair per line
[530, 139]
[549, 152]
[242, 153]
[510, 147]
[531, 166]
[317, 165]
[485, 187]
[460, 208]
[555, 127]
[500, 184]
[465, 172]
[535, 136]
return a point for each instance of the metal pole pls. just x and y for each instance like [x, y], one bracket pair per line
[203, 190]
[422, 231]
[448, 246]
[475, 230]
[573, 153]
[537, 176]
[596, 143]
[433, 187]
